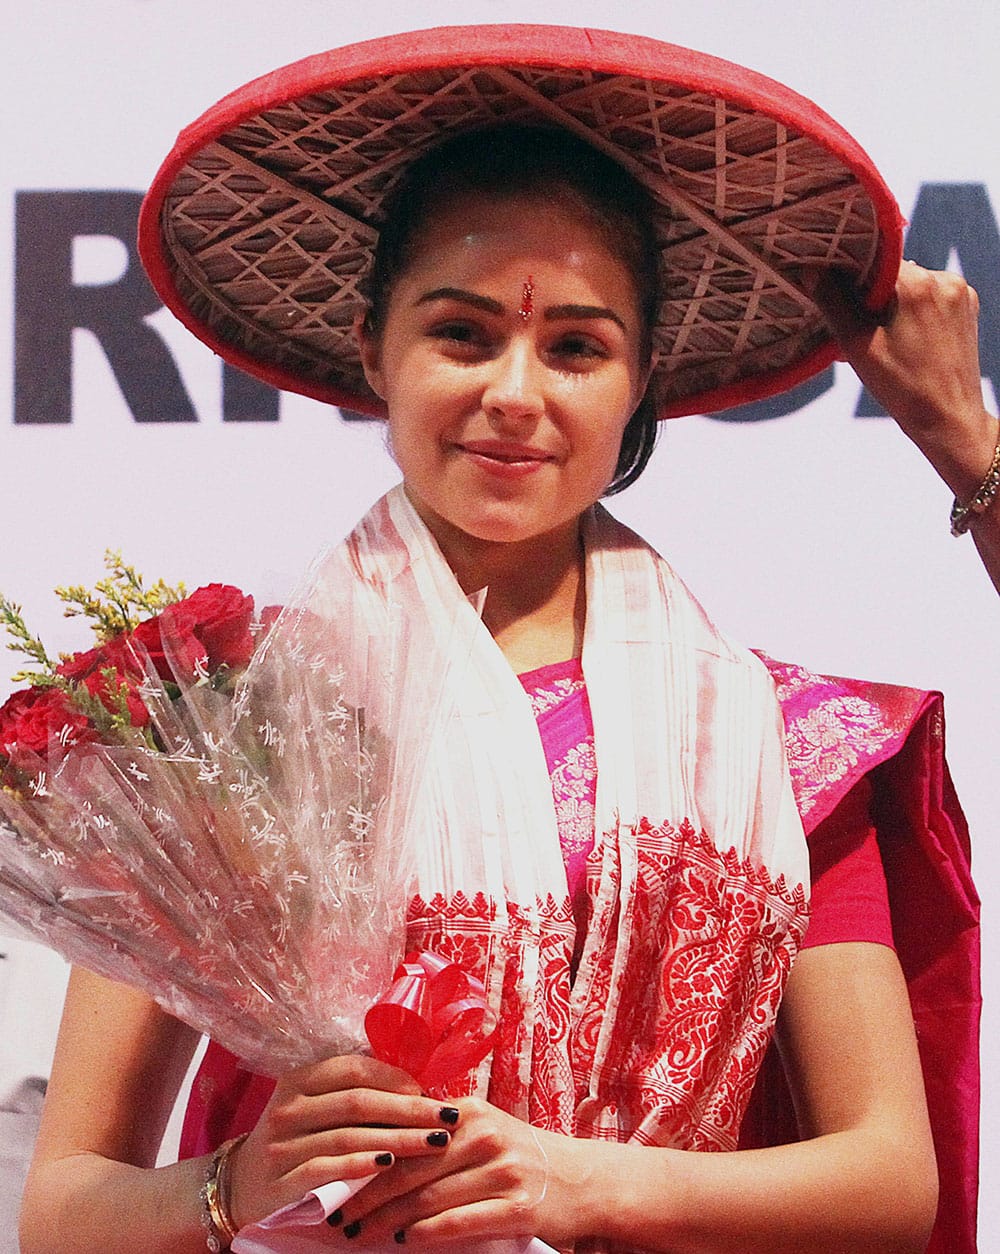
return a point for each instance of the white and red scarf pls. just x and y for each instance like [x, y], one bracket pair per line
[698, 882]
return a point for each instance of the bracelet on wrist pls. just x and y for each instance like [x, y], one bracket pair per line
[216, 1213]
[962, 516]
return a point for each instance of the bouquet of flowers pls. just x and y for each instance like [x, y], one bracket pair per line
[219, 810]
[215, 808]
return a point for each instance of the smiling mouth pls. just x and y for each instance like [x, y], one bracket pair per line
[506, 454]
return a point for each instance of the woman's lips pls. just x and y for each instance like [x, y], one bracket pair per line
[501, 458]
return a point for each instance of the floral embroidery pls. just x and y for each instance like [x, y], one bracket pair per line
[558, 697]
[834, 733]
[662, 1047]
[553, 693]
[573, 790]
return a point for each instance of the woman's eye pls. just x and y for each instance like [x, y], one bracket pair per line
[581, 348]
[463, 335]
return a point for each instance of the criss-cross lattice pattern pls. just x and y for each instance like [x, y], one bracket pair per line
[270, 228]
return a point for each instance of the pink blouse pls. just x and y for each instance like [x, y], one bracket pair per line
[558, 696]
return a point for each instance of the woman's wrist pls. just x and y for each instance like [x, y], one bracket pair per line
[960, 447]
[966, 510]
[216, 1197]
[605, 1182]
[84, 1202]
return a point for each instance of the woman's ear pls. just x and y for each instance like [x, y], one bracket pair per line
[368, 350]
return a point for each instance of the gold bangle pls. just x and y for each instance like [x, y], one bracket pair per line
[962, 516]
[216, 1215]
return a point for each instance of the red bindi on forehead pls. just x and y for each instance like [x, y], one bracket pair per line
[527, 306]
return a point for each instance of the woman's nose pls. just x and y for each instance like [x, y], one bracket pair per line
[513, 391]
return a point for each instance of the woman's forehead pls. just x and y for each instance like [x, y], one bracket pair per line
[520, 235]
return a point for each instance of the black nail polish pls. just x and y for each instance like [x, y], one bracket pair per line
[438, 1139]
[384, 1160]
[352, 1229]
[400, 1236]
[335, 1218]
[448, 1114]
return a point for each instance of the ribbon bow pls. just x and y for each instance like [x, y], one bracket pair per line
[433, 1022]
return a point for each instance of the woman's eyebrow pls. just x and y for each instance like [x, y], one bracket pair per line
[485, 303]
[552, 313]
[555, 312]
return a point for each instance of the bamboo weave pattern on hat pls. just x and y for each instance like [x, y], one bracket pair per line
[268, 227]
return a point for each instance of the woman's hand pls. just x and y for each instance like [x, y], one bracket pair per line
[499, 1177]
[921, 362]
[340, 1119]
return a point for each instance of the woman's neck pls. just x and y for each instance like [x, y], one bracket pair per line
[535, 591]
[538, 619]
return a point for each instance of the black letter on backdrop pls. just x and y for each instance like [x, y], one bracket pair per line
[784, 403]
[49, 306]
[246, 399]
[957, 217]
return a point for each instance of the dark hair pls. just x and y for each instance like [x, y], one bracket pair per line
[512, 160]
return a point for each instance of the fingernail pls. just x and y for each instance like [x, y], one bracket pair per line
[448, 1114]
[400, 1236]
[335, 1218]
[438, 1139]
[384, 1160]
[352, 1229]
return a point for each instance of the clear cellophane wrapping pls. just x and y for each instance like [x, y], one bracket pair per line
[250, 871]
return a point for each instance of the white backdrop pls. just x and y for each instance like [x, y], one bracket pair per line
[818, 536]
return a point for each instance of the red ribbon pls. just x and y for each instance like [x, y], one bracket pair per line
[433, 1022]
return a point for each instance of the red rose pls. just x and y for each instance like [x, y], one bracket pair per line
[36, 719]
[269, 615]
[208, 629]
[222, 617]
[89, 670]
[79, 665]
[170, 642]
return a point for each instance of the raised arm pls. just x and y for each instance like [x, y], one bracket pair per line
[923, 367]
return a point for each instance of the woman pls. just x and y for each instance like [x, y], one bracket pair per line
[510, 336]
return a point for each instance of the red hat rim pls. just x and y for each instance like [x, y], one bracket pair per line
[780, 356]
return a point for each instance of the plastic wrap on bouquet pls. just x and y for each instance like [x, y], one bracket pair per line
[243, 855]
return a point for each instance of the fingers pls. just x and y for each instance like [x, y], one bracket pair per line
[495, 1171]
[339, 1142]
[343, 1118]
[313, 1161]
[298, 1114]
[264, 1179]
[454, 1228]
[458, 1205]
[937, 292]
[919, 356]
[843, 305]
[352, 1071]
[269, 1171]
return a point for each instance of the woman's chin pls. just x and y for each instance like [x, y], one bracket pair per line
[473, 524]
[505, 529]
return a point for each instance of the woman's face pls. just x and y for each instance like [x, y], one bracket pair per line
[510, 364]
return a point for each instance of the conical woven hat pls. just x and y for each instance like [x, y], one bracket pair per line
[260, 223]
